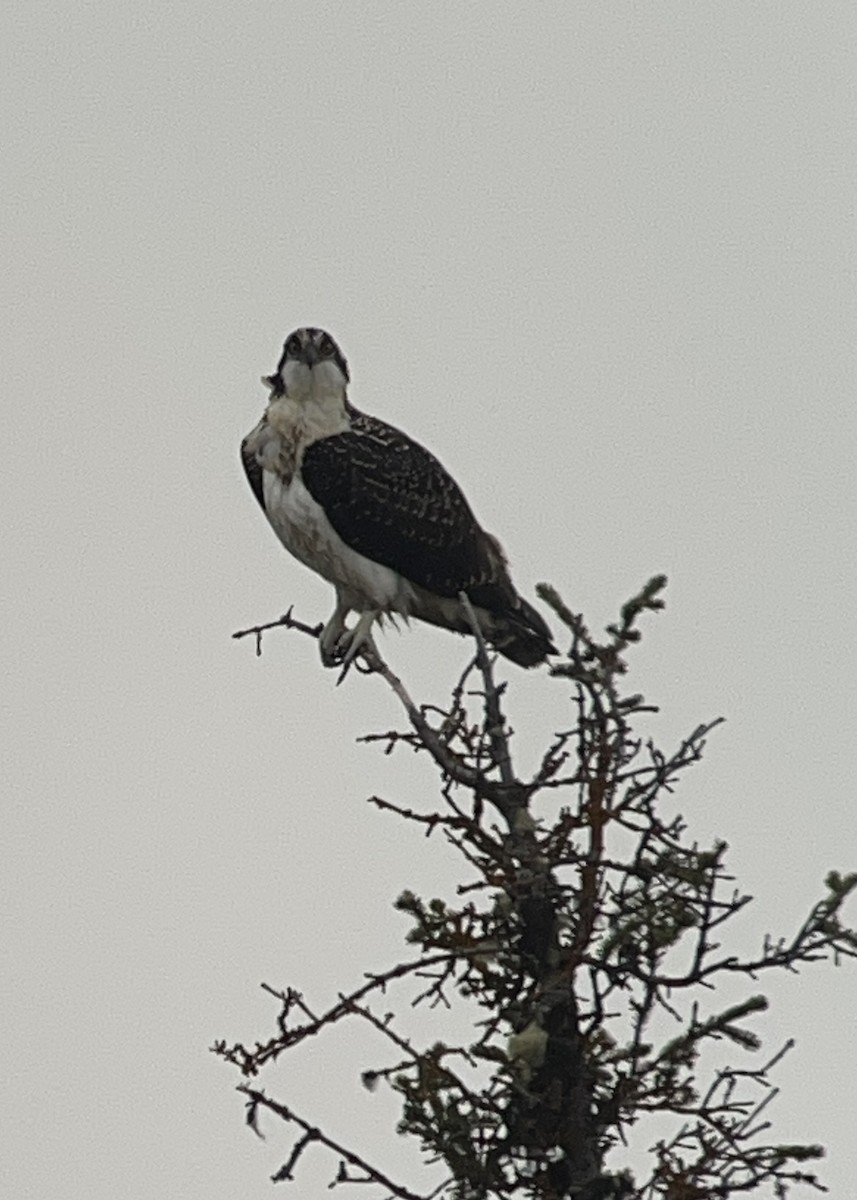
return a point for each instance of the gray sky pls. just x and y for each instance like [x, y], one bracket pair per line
[601, 259]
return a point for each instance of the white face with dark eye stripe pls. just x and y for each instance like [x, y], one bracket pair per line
[311, 364]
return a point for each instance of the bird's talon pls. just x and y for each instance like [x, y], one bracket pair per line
[342, 653]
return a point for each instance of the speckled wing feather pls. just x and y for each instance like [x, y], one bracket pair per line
[390, 499]
[253, 471]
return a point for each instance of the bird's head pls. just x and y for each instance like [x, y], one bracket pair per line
[311, 363]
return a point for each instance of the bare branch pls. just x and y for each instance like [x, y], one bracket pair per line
[586, 947]
[258, 1099]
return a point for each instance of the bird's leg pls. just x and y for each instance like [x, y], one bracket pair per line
[333, 635]
[358, 639]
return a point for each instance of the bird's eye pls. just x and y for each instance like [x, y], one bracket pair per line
[327, 347]
[293, 348]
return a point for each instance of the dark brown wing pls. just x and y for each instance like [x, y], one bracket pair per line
[390, 499]
[253, 471]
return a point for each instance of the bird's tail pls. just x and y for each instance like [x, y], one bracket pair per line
[521, 635]
[508, 622]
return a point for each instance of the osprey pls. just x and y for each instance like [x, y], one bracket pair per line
[374, 513]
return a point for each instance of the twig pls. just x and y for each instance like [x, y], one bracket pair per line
[286, 621]
[494, 720]
[313, 1134]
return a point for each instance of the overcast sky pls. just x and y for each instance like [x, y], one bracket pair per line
[601, 259]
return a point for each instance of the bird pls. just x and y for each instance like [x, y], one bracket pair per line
[376, 514]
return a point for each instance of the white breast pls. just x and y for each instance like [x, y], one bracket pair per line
[303, 528]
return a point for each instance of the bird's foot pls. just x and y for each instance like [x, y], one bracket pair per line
[349, 644]
[335, 639]
[333, 654]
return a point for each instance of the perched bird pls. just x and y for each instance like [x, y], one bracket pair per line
[374, 513]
